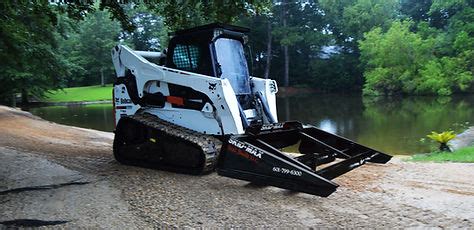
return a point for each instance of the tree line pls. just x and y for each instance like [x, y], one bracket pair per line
[378, 47]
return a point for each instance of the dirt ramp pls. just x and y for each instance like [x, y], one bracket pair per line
[53, 157]
[20, 129]
[36, 192]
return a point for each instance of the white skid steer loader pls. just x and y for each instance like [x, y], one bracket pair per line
[196, 109]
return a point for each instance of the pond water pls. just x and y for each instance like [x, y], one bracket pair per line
[391, 125]
[95, 116]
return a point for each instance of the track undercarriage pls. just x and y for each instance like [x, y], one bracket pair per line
[147, 141]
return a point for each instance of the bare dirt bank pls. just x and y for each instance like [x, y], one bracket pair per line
[398, 194]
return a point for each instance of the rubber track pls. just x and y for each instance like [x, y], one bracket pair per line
[208, 144]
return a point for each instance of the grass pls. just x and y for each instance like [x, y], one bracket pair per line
[75, 94]
[462, 155]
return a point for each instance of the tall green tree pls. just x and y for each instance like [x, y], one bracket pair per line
[393, 59]
[350, 19]
[258, 40]
[150, 32]
[179, 14]
[89, 48]
[402, 62]
[367, 14]
[298, 27]
[274, 36]
[28, 62]
[346, 22]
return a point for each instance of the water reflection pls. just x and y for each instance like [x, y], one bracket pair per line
[96, 116]
[339, 112]
[328, 126]
[393, 125]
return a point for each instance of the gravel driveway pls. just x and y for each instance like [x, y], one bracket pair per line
[110, 195]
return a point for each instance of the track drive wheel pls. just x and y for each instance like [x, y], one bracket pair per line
[145, 140]
[127, 133]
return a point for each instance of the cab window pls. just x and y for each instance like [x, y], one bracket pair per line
[233, 64]
[186, 57]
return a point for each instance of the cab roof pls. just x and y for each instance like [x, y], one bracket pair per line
[211, 27]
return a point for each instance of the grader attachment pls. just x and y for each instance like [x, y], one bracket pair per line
[257, 157]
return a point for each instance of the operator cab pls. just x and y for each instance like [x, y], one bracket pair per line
[214, 50]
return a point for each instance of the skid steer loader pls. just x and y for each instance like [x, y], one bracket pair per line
[196, 109]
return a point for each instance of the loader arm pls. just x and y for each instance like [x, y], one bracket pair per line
[220, 117]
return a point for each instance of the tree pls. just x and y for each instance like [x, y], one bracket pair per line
[350, 19]
[302, 34]
[89, 48]
[28, 62]
[392, 59]
[367, 14]
[401, 61]
[258, 40]
[268, 59]
[346, 21]
[184, 14]
[150, 32]
[416, 10]
[443, 76]
[286, 41]
[337, 73]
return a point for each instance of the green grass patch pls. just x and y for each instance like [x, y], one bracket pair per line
[462, 155]
[75, 94]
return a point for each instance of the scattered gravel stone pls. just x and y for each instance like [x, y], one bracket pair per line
[396, 195]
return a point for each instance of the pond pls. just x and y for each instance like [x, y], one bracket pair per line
[94, 116]
[391, 125]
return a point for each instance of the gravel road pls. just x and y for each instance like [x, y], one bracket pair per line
[109, 195]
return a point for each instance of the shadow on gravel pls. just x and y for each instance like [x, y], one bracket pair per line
[31, 222]
[41, 187]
